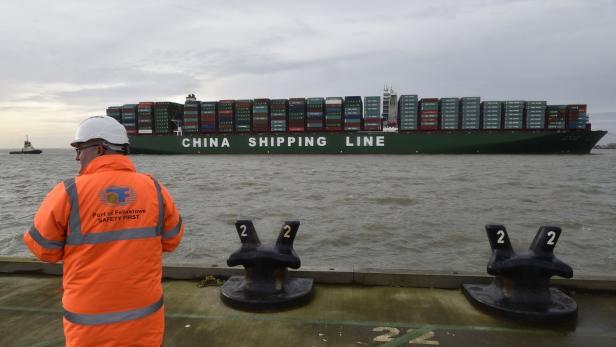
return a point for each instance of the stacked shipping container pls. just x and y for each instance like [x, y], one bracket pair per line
[115, 112]
[279, 115]
[450, 113]
[243, 115]
[129, 118]
[208, 116]
[372, 113]
[333, 113]
[161, 118]
[145, 117]
[513, 114]
[315, 109]
[349, 114]
[260, 115]
[191, 116]
[407, 112]
[470, 112]
[226, 115]
[428, 114]
[491, 112]
[164, 113]
[535, 114]
[576, 116]
[297, 114]
[353, 111]
[556, 116]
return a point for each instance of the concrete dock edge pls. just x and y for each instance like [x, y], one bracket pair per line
[359, 276]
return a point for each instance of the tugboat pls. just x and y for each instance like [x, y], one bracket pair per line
[27, 149]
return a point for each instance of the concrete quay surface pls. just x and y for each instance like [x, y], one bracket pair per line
[348, 308]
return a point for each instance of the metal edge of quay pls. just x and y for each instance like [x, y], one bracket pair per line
[342, 276]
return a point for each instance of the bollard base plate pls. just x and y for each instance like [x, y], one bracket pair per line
[297, 291]
[490, 299]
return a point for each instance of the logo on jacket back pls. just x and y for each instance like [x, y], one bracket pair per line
[118, 196]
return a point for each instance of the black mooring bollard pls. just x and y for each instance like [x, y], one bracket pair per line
[266, 284]
[521, 289]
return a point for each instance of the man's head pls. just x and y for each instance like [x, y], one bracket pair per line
[97, 136]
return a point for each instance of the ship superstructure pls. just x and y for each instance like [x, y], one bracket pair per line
[27, 148]
[390, 107]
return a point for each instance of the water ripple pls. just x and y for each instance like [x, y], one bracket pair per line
[392, 212]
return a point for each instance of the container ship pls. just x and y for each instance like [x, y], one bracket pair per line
[393, 124]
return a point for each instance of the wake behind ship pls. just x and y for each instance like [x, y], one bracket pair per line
[350, 125]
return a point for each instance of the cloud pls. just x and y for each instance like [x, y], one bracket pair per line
[83, 56]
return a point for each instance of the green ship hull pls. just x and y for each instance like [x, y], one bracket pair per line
[437, 142]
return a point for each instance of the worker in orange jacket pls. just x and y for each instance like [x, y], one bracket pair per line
[109, 226]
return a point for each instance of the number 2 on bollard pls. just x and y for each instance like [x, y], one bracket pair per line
[551, 237]
[287, 231]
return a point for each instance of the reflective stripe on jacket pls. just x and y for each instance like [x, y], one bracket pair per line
[109, 226]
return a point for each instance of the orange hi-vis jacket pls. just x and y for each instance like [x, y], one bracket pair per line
[109, 226]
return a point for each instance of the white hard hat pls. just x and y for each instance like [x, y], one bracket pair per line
[101, 127]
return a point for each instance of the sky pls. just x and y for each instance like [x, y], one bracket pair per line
[62, 61]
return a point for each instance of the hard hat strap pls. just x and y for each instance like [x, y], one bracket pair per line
[115, 148]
